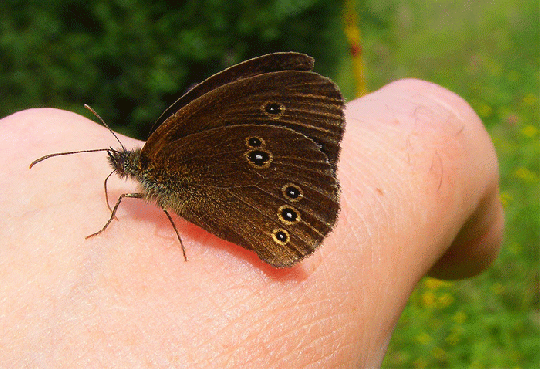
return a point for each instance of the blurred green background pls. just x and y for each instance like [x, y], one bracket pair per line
[130, 59]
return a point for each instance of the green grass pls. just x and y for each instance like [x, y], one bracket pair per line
[487, 52]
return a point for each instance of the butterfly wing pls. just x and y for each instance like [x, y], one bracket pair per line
[250, 155]
[263, 187]
[301, 100]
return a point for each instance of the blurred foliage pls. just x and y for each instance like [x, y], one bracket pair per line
[129, 59]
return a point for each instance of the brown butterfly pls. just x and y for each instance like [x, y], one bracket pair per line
[249, 155]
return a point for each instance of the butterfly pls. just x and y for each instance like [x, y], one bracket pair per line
[250, 155]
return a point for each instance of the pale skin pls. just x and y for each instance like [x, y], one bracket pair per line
[419, 196]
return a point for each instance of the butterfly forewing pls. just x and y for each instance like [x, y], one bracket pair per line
[303, 101]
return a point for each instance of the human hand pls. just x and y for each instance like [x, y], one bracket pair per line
[419, 194]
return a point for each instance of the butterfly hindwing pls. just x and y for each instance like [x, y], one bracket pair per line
[266, 188]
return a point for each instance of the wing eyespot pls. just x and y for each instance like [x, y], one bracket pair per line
[292, 192]
[254, 142]
[273, 109]
[281, 237]
[288, 215]
[259, 159]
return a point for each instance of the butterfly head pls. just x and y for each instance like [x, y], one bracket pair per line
[126, 163]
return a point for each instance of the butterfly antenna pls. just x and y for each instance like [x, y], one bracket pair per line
[105, 124]
[81, 151]
[63, 153]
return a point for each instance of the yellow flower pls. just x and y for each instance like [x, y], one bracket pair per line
[476, 365]
[445, 300]
[506, 198]
[529, 99]
[459, 317]
[497, 288]
[423, 338]
[420, 363]
[433, 283]
[529, 130]
[428, 298]
[438, 353]
[484, 110]
[525, 174]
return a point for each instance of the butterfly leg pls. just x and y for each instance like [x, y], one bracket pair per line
[177, 234]
[107, 192]
[113, 211]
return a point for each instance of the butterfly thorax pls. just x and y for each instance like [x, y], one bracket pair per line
[155, 183]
